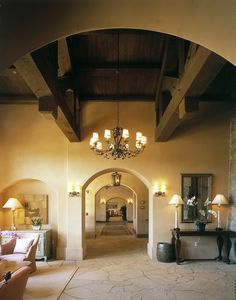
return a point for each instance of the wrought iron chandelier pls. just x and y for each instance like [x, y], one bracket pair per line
[119, 148]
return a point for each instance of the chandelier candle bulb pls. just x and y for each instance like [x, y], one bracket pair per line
[95, 136]
[139, 136]
[125, 133]
[144, 140]
[107, 134]
[99, 145]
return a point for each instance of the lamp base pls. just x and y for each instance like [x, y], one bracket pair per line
[219, 228]
[13, 228]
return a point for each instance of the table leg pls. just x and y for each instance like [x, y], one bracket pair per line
[228, 248]
[220, 243]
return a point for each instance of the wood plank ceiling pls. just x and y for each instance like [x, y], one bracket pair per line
[111, 65]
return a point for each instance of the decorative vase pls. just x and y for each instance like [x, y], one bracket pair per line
[201, 226]
[36, 227]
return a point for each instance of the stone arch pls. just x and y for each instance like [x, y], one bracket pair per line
[188, 20]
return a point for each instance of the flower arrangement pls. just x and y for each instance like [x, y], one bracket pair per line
[200, 215]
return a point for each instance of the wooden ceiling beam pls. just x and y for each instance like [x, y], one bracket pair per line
[39, 70]
[64, 64]
[18, 99]
[203, 63]
[147, 98]
[160, 79]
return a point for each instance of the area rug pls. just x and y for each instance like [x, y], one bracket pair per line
[116, 229]
[50, 279]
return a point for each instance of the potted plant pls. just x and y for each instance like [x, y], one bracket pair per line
[200, 215]
[36, 223]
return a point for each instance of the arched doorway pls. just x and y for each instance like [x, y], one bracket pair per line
[101, 198]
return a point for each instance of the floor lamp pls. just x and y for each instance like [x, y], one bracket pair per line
[13, 203]
[176, 200]
[219, 200]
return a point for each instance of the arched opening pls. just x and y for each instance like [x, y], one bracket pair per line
[112, 211]
[38, 200]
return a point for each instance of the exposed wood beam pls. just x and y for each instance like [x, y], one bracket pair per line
[203, 62]
[181, 60]
[64, 64]
[160, 79]
[27, 68]
[188, 108]
[18, 99]
[113, 65]
[44, 86]
[148, 98]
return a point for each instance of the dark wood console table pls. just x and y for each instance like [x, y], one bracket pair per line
[222, 236]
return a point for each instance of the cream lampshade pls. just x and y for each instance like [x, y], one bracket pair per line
[176, 200]
[13, 203]
[219, 200]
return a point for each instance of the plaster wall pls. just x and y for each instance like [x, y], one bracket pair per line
[31, 146]
[186, 19]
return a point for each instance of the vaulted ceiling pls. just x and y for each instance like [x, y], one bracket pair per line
[112, 65]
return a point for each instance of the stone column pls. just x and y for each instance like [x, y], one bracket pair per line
[232, 180]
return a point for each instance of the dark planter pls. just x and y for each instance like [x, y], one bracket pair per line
[201, 226]
[165, 252]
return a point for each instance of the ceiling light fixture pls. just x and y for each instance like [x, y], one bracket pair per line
[119, 148]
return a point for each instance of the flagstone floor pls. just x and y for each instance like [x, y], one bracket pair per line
[118, 268]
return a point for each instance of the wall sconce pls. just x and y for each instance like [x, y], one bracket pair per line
[159, 190]
[74, 190]
[103, 201]
[130, 201]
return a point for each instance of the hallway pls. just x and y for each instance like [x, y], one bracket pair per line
[118, 268]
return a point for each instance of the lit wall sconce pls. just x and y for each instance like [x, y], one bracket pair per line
[130, 201]
[103, 201]
[159, 190]
[74, 190]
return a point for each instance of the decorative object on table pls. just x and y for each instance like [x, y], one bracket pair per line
[13, 203]
[202, 216]
[119, 147]
[219, 200]
[36, 223]
[176, 200]
[197, 187]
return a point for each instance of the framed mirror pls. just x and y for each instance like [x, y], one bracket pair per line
[196, 194]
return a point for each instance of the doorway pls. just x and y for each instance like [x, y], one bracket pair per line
[115, 212]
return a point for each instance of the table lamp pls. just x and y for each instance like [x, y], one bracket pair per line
[176, 200]
[13, 203]
[219, 200]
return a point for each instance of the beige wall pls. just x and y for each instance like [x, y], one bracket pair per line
[33, 147]
[186, 19]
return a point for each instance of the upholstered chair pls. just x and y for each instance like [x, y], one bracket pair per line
[17, 249]
[14, 288]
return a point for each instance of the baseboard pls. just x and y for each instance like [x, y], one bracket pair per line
[144, 235]
[101, 222]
